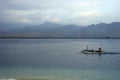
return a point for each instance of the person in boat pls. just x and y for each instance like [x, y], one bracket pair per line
[99, 50]
[92, 50]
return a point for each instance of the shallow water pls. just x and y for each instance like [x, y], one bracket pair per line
[58, 59]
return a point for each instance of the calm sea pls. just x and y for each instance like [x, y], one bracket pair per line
[58, 59]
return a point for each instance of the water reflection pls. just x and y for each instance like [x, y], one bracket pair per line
[112, 53]
[105, 53]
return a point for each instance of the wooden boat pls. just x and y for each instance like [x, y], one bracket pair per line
[87, 51]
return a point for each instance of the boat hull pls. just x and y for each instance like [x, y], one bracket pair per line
[91, 52]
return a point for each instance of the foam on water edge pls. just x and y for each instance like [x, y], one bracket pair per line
[8, 79]
[26, 79]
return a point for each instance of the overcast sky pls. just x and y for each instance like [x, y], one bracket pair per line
[80, 12]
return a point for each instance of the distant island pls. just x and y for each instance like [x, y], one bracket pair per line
[50, 30]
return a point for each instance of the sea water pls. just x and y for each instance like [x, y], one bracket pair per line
[58, 59]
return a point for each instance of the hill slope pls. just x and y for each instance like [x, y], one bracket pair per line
[54, 30]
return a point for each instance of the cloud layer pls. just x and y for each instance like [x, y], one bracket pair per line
[81, 12]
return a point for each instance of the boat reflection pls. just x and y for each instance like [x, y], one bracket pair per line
[112, 53]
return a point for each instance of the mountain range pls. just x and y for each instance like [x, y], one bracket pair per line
[55, 30]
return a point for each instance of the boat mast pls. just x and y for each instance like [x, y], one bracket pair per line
[87, 47]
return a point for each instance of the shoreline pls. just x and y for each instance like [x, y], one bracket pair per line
[26, 79]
